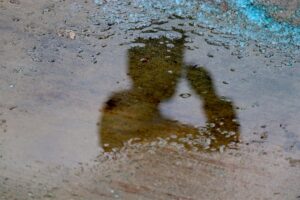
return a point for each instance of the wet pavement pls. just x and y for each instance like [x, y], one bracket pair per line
[97, 102]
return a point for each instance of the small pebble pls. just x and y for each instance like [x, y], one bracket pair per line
[185, 95]
[210, 55]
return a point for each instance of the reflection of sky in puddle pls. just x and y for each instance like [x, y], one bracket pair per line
[182, 105]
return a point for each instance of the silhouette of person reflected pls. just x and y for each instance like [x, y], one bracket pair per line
[155, 70]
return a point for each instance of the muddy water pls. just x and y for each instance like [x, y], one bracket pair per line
[155, 71]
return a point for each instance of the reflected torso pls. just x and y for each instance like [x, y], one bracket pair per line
[155, 70]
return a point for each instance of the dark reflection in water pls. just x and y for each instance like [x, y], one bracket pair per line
[155, 70]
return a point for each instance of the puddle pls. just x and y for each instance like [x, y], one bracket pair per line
[155, 69]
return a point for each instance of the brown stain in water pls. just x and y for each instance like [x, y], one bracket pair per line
[155, 70]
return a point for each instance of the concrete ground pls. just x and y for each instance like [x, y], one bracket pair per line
[57, 69]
